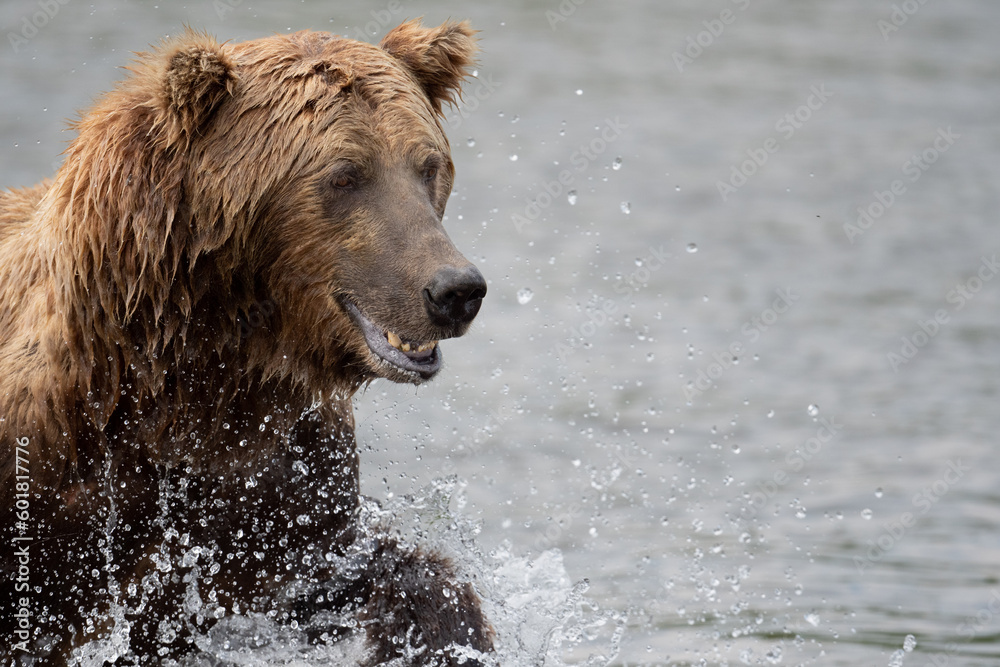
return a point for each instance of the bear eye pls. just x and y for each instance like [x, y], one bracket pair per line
[430, 173]
[345, 178]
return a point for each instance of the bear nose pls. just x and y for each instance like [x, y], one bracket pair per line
[453, 296]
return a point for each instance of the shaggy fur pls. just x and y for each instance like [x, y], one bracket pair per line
[179, 343]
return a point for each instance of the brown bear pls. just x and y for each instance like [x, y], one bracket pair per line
[240, 237]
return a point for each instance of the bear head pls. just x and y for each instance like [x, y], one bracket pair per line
[281, 197]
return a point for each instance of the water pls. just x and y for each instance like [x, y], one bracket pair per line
[697, 493]
[539, 614]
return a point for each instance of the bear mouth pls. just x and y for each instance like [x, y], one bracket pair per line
[418, 360]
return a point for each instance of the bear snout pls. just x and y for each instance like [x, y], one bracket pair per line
[453, 296]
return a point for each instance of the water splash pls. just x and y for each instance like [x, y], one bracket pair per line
[116, 644]
[539, 616]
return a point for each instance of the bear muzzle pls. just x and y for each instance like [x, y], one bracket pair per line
[452, 299]
[453, 296]
[414, 360]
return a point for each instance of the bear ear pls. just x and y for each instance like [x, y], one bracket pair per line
[197, 76]
[439, 57]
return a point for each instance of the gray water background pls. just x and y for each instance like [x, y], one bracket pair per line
[574, 431]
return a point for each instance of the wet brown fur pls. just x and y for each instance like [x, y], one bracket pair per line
[171, 311]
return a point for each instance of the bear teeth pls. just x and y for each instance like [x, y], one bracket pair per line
[398, 343]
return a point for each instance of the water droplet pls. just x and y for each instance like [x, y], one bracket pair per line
[626, 207]
[770, 413]
[896, 659]
[617, 164]
[866, 514]
[579, 91]
[513, 157]
[303, 519]
[813, 410]
[812, 619]
[524, 295]
[692, 248]
[909, 643]
[571, 197]
[650, 356]
[878, 492]
[470, 142]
